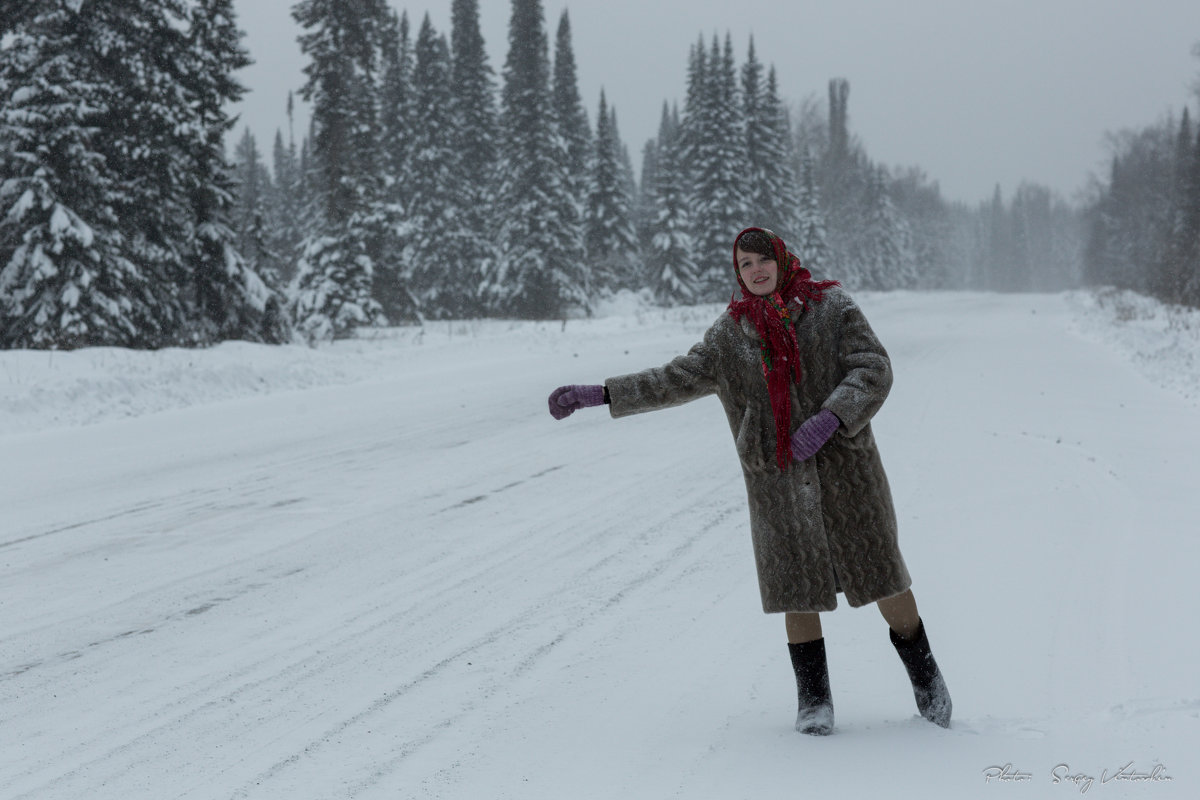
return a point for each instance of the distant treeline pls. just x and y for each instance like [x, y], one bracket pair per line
[1144, 222]
[426, 186]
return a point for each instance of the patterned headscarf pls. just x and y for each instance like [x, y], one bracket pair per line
[777, 332]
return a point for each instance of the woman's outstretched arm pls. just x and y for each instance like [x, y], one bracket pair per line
[679, 381]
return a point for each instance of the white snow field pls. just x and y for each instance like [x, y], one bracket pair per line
[380, 569]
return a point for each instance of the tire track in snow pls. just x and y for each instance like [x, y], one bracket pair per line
[74, 526]
[530, 657]
[154, 732]
[302, 666]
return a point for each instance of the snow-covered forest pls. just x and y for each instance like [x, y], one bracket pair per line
[430, 184]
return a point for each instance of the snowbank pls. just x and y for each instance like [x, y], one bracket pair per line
[46, 389]
[1162, 341]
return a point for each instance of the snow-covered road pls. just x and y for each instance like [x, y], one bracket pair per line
[413, 583]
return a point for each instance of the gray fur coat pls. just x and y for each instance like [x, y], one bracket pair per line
[827, 524]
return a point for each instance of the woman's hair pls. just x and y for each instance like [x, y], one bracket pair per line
[756, 242]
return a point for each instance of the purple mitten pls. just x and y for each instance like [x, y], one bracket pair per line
[566, 400]
[812, 433]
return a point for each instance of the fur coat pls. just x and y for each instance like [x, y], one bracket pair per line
[824, 525]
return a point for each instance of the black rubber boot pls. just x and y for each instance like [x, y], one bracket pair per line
[812, 684]
[929, 689]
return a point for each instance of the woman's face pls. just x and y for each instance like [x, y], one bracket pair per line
[760, 273]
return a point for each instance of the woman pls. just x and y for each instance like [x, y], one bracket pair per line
[821, 516]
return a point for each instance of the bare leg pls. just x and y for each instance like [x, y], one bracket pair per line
[901, 613]
[802, 626]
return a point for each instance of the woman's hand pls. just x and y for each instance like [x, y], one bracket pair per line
[566, 400]
[813, 433]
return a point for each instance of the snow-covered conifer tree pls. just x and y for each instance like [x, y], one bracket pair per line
[255, 219]
[1033, 235]
[396, 107]
[571, 121]
[65, 279]
[334, 280]
[628, 176]
[149, 137]
[150, 80]
[611, 241]
[645, 202]
[476, 134]
[811, 243]
[776, 199]
[721, 171]
[1171, 274]
[758, 128]
[253, 188]
[884, 249]
[286, 206]
[541, 272]
[392, 218]
[230, 298]
[440, 250]
[1190, 230]
[694, 114]
[672, 255]
[472, 91]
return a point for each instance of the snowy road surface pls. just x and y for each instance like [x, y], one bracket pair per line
[413, 583]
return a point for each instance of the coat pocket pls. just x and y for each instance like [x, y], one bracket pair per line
[750, 444]
[863, 440]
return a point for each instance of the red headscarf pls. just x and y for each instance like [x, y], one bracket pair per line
[777, 332]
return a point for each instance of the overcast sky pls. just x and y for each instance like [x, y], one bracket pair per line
[975, 92]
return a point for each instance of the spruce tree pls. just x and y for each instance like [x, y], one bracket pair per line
[476, 133]
[147, 135]
[150, 78]
[253, 187]
[230, 297]
[644, 207]
[540, 273]
[335, 275]
[884, 249]
[571, 123]
[671, 258]
[694, 113]
[812, 245]
[756, 127]
[628, 176]
[472, 92]
[1189, 233]
[396, 108]
[1033, 237]
[286, 206]
[610, 238]
[999, 237]
[1171, 277]
[439, 251]
[254, 220]
[65, 278]
[721, 168]
[777, 166]
[397, 130]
